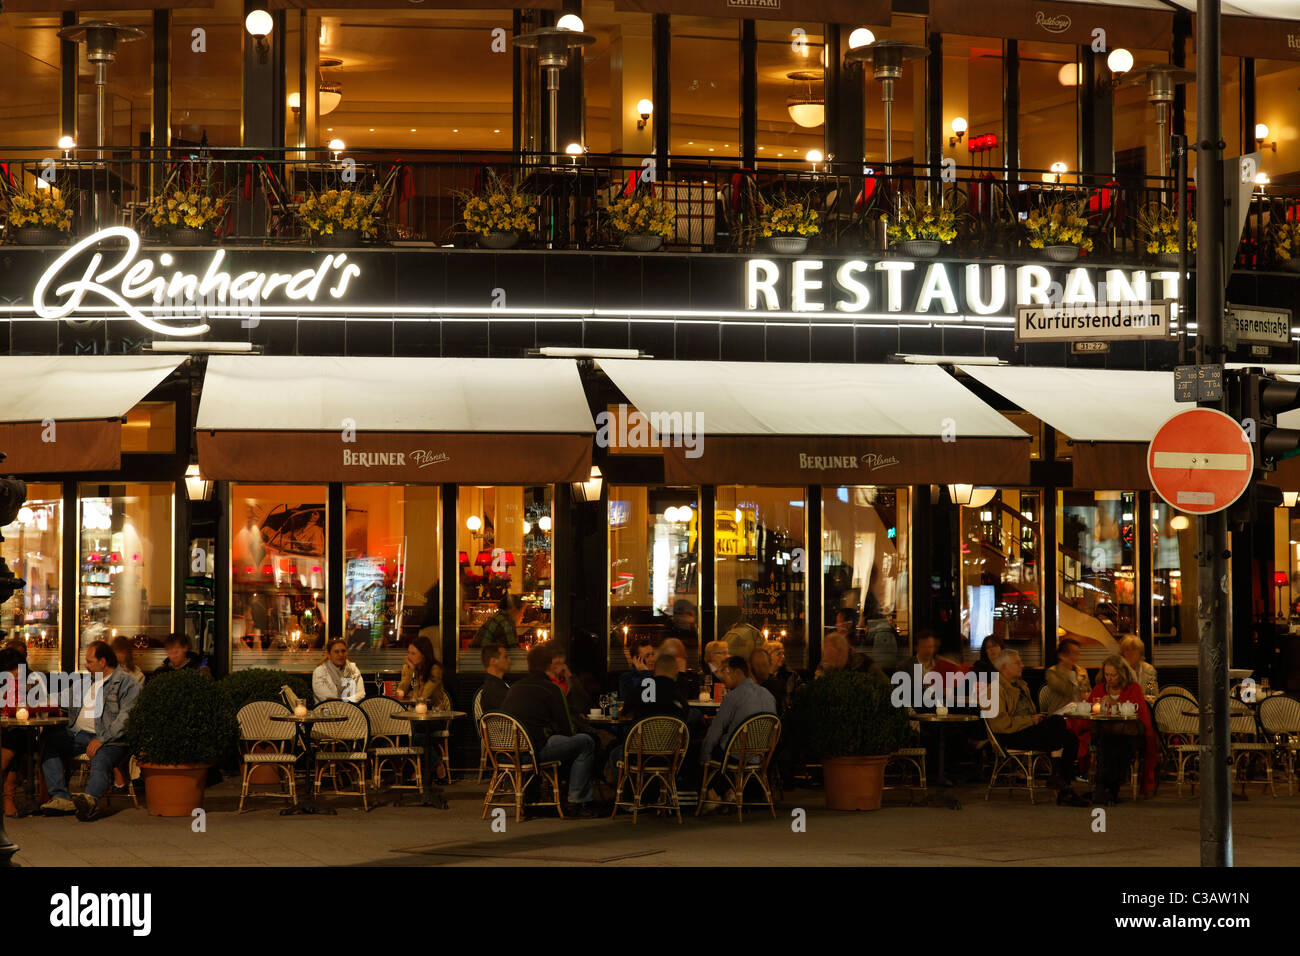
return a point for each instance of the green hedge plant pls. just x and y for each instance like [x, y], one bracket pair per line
[181, 718]
[259, 683]
[847, 714]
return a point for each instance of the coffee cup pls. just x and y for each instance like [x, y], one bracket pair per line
[594, 712]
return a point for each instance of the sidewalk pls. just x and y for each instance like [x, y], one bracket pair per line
[1162, 831]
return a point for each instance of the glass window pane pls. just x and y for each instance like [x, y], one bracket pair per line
[1001, 591]
[1048, 109]
[791, 89]
[128, 97]
[206, 83]
[1174, 585]
[705, 77]
[125, 567]
[653, 568]
[618, 72]
[279, 542]
[33, 549]
[503, 543]
[866, 567]
[760, 567]
[29, 84]
[973, 89]
[150, 427]
[391, 571]
[1097, 561]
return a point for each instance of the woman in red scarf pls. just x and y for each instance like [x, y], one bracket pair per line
[1117, 748]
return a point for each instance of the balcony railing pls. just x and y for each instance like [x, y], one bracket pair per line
[718, 203]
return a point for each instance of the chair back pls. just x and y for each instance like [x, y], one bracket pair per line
[1279, 715]
[661, 739]
[506, 741]
[353, 729]
[1168, 709]
[379, 712]
[754, 741]
[256, 725]
[1241, 720]
[478, 707]
[993, 740]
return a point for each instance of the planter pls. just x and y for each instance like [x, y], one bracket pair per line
[1289, 265]
[642, 243]
[1061, 253]
[787, 245]
[37, 236]
[854, 783]
[183, 236]
[1171, 258]
[920, 248]
[499, 240]
[174, 790]
[339, 237]
[267, 773]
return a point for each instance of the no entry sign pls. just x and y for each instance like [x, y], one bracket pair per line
[1200, 461]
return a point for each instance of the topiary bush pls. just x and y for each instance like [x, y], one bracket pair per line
[259, 683]
[180, 718]
[847, 714]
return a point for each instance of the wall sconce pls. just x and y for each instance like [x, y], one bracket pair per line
[861, 37]
[813, 157]
[1289, 498]
[959, 128]
[259, 24]
[1261, 134]
[645, 108]
[968, 496]
[197, 487]
[473, 523]
[336, 147]
[67, 144]
[589, 490]
[544, 522]
[1120, 61]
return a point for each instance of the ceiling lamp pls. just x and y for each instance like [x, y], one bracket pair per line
[328, 92]
[968, 496]
[1070, 74]
[807, 106]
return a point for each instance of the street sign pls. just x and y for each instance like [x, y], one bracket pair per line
[1200, 461]
[1198, 383]
[1256, 326]
[1106, 322]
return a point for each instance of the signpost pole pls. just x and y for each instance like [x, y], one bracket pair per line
[1212, 529]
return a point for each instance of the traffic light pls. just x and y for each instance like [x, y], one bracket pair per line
[1256, 401]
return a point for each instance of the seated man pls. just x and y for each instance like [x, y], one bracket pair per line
[927, 655]
[539, 705]
[744, 700]
[837, 655]
[97, 729]
[642, 654]
[688, 681]
[496, 658]
[1067, 682]
[1019, 726]
[179, 656]
[658, 696]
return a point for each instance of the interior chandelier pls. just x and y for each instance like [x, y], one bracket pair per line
[807, 105]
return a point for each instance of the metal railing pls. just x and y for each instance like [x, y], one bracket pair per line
[718, 204]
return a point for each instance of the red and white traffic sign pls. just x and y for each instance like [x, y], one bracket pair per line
[1200, 461]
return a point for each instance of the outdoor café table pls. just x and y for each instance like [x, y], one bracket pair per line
[941, 725]
[606, 720]
[432, 794]
[31, 725]
[309, 748]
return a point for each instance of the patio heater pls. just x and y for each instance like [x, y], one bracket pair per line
[1160, 80]
[101, 39]
[553, 45]
[886, 58]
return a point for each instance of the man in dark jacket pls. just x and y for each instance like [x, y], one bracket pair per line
[539, 705]
[179, 656]
[496, 661]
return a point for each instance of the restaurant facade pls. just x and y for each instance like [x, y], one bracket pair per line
[269, 440]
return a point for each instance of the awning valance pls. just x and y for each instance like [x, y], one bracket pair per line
[848, 12]
[1136, 25]
[487, 421]
[788, 423]
[63, 413]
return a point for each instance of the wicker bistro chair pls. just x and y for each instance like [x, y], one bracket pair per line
[902, 760]
[266, 743]
[81, 766]
[478, 730]
[390, 744]
[1246, 746]
[1177, 734]
[347, 741]
[1015, 763]
[654, 751]
[514, 763]
[748, 757]
[1279, 722]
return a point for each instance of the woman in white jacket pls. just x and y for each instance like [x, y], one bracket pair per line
[337, 678]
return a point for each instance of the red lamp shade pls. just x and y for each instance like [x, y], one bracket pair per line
[463, 557]
[1280, 578]
[509, 559]
[484, 559]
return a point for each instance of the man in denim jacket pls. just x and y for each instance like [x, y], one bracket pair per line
[97, 729]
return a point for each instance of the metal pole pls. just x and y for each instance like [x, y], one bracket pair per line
[1216, 803]
[887, 95]
[1180, 154]
[553, 100]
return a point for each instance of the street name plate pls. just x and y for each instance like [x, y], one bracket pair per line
[1198, 383]
[1089, 348]
[1255, 326]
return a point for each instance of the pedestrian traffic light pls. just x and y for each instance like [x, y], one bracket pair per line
[1256, 401]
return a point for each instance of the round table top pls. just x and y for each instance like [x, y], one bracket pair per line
[13, 723]
[947, 718]
[606, 719]
[705, 703]
[1092, 716]
[428, 715]
[309, 718]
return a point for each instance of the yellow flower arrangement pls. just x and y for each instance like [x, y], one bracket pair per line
[336, 210]
[1159, 228]
[788, 217]
[194, 208]
[1286, 240]
[42, 209]
[921, 221]
[1060, 225]
[502, 208]
[643, 215]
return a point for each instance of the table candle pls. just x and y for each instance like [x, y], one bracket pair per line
[300, 710]
[421, 709]
[1096, 708]
[941, 711]
[21, 713]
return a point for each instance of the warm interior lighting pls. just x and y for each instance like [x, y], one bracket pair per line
[807, 115]
[861, 37]
[1059, 167]
[589, 490]
[336, 145]
[968, 496]
[329, 100]
[959, 125]
[66, 143]
[197, 487]
[1180, 522]
[644, 108]
[1289, 498]
[258, 24]
[1261, 131]
[1070, 74]
[570, 21]
[814, 156]
[1261, 179]
[473, 522]
[1120, 60]
[574, 149]
[544, 522]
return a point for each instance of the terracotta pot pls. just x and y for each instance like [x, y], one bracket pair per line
[854, 783]
[174, 790]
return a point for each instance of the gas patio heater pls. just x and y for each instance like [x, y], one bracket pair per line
[553, 45]
[1160, 80]
[101, 39]
[886, 58]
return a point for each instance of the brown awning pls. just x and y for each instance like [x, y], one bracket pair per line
[1111, 466]
[1073, 23]
[408, 5]
[60, 6]
[851, 12]
[80, 446]
[1261, 39]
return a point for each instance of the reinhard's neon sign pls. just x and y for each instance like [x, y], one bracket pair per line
[130, 279]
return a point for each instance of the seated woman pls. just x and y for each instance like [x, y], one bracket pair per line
[336, 677]
[422, 682]
[715, 655]
[1116, 746]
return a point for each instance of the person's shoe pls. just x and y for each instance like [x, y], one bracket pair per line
[581, 811]
[88, 810]
[59, 806]
[1068, 798]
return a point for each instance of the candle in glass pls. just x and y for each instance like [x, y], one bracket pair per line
[300, 710]
[21, 713]
[421, 709]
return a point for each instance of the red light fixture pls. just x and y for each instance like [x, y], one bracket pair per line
[982, 143]
[484, 559]
[509, 559]
[1280, 578]
[463, 558]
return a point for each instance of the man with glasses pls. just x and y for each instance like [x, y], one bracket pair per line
[643, 656]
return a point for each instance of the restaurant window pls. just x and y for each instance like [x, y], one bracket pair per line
[390, 577]
[1277, 104]
[30, 87]
[760, 564]
[33, 550]
[654, 587]
[705, 87]
[206, 71]
[1097, 564]
[503, 548]
[791, 64]
[1174, 580]
[866, 566]
[1001, 585]
[150, 427]
[279, 542]
[1049, 107]
[128, 97]
[618, 72]
[973, 90]
[125, 569]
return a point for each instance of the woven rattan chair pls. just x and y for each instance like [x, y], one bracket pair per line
[514, 763]
[747, 758]
[653, 751]
[348, 738]
[1177, 734]
[913, 757]
[1279, 721]
[478, 731]
[390, 744]
[264, 742]
[81, 767]
[1015, 763]
[1246, 745]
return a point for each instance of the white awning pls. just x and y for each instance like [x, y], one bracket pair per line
[65, 388]
[1087, 404]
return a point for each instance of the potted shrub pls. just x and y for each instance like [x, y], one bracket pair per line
[846, 720]
[1286, 245]
[1060, 232]
[259, 683]
[340, 217]
[179, 727]
[39, 218]
[921, 230]
[1158, 226]
[187, 217]
[642, 220]
[501, 215]
[787, 225]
